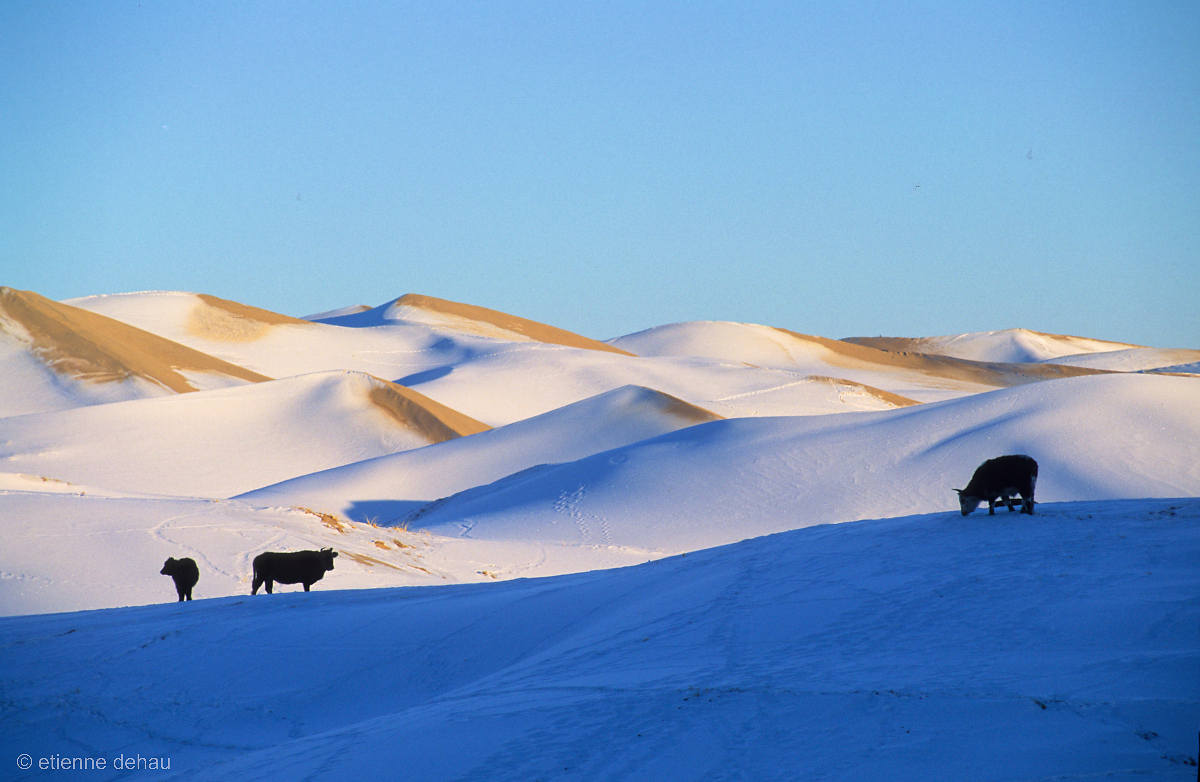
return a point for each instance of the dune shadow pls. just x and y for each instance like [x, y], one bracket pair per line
[425, 376]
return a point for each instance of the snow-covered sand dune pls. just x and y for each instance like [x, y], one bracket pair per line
[1103, 436]
[55, 356]
[1005, 345]
[222, 442]
[1063, 646]
[279, 346]
[499, 368]
[1024, 346]
[452, 454]
[386, 487]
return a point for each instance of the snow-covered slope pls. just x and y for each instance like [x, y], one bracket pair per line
[226, 441]
[1064, 646]
[704, 485]
[1136, 360]
[70, 548]
[1103, 436]
[386, 488]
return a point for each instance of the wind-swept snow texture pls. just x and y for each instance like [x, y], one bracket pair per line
[1062, 646]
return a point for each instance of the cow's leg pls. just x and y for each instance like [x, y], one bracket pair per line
[180, 591]
[992, 507]
[1027, 505]
[189, 593]
[254, 587]
[306, 586]
[270, 587]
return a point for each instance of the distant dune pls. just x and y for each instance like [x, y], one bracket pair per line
[1007, 345]
[98, 349]
[874, 364]
[851, 354]
[471, 319]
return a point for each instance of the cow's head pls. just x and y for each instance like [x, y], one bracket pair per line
[168, 567]
[967, 502]
[327, 555]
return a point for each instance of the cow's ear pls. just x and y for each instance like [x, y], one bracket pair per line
[333, 554]
[957, 491]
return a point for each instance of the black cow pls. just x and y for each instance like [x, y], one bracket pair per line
[1000, 479]
[294, 567]
[185, 574]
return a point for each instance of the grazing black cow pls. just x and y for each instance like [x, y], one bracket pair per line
[185, 574]
[1000, 479]
[294, 567]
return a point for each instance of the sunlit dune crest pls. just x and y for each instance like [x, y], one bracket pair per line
[488, 322]
[96, 348]
[220, 319]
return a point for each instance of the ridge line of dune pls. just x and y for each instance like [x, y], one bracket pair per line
[539, 332]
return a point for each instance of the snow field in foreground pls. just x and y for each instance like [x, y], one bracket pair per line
[1064, 645]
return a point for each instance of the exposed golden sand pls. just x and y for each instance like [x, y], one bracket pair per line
[857, 356]
[363, 559]
[433, 420]
[528, 328]
[679, 408]
[89, 346]
[895, 400]
[228, 321]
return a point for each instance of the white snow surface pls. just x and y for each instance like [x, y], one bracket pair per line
[608, 585]
[387, 487]
[1136, 360]
[1062, 646]
[208, 443]
[1095, 437]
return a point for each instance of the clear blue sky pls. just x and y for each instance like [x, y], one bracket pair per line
[837, 168]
